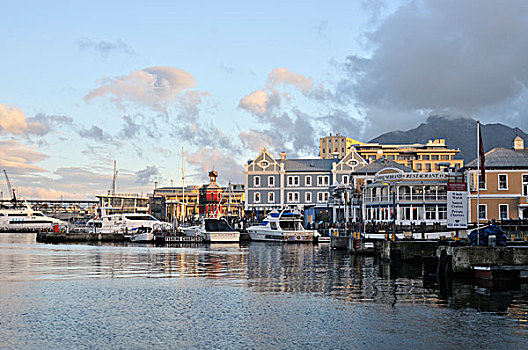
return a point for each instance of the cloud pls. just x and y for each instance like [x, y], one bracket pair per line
[462, 56]
[143, 177]
[130, 129]
[105, 47]
[13, 121]
[17, 158]
[284, 126]
[154, 87]
[255, 102]
[96, 133]
[255, 140]
[286, 77]
[207, 159]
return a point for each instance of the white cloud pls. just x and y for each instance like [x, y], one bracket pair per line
[17, 158]
[13, 121]
[154, 87]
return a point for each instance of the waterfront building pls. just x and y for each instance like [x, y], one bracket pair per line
[124, 203]
[210, 200]
[295, 183]
[335, 145]
[428, 157]
[417, 198]
[170, 203]
[504, 190]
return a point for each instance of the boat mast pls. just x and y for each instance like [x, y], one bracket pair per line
[183, 190]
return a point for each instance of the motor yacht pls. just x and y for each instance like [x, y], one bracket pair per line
[284, 226]
[213, 230]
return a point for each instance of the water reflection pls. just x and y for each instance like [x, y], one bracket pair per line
[264, 268]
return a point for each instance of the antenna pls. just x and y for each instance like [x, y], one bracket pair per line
[114, 179]
[183, 191]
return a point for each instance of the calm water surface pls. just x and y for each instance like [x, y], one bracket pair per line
[253, 296]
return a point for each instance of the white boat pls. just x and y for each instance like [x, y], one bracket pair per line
[129, 223]
[26, 219]
[213, 230]
[285, 226]
[142, 235]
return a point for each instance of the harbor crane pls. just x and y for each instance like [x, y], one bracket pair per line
[11, 190]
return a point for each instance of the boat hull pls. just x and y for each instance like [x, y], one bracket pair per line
[222, 237]
[287, 237]
[142, 237]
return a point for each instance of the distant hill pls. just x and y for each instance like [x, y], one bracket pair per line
[458, 132]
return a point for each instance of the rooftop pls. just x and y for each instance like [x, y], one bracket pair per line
[503, 158]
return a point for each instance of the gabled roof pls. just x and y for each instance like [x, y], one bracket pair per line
[379, 164]
[503, 158]
[315, 164]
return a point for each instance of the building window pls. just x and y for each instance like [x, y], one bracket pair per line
[271, 197]
[430, 213]
[434, 157]
[293, 181]
[445, 157]
[418, 166]
[256, 197]
[322, 197]
[428, 166]
[271, 181]
[503, 182]
[482, 183]
[308, 181]
[482, 212]
[503, 211]
[323, 180]
[425, 157]
[308, 197]
[256, 181]
[442, 212]
[525, 185]
[345, 179]
[293, 197]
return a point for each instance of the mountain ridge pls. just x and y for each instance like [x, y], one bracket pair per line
[459, 132]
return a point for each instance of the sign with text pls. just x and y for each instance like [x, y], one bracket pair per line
[457, 204]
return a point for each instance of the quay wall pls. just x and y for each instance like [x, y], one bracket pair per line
[464, 258]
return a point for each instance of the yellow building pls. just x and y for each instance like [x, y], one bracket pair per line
[335, 146]
[419, 157]
[176, 203]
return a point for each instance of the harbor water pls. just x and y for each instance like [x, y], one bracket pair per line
[241, 296]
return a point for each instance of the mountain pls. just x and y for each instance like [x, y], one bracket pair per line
[458, 132]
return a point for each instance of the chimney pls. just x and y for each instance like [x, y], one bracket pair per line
[518, 143]
[155, 184]
[283, 155]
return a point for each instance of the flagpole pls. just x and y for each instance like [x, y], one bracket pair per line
[478, 182]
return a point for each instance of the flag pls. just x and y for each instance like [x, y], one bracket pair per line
[481, 156]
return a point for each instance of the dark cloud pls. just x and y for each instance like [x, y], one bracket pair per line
[130, 129]
[43, 124]
[461, 56]
[96, 133]
[144, 176]
[104, 48]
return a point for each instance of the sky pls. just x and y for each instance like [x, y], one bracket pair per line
[87, 83]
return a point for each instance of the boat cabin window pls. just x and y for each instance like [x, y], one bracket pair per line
[140, 217]
[217, 225]
[290, 225]
[273, 225]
